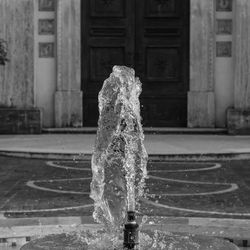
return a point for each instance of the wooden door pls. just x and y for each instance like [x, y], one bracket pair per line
[148, 35]
[162, 62]
[107, 40]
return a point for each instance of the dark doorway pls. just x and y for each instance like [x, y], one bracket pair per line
[152, 36]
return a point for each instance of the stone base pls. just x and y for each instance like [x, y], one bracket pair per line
[68, 109]
[238, 121]
[201, 109]
[149, 239]
[20, 121]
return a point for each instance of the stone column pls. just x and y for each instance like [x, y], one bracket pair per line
[201, 100]
[68, 96]
[239, 116]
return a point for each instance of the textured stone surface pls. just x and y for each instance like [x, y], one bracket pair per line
[202, 45]
[238, 121]
[202, 35]
[201, 109]
[119, 159]
[17, 77]
[242, 55]
[68, 63]
[149, 240]
[68, 107]
[20, 121]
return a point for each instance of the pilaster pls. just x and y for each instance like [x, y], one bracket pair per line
[68, 96]
[17, 76]
[201, 101]
[239, 116]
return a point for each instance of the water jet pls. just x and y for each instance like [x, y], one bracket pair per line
[118, 179]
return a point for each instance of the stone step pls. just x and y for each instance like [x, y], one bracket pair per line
[147, 130]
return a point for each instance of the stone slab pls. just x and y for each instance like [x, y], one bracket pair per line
[17, 76]
[68, 45]
[238, 121]
[202, 32]
[201, 109]
[242, 56]
[160, 147]
[149, 239]
[68, 98]
[20, 121]
[147, 130]
[68, 108]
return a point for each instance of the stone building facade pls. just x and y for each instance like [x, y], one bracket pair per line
[47, 66]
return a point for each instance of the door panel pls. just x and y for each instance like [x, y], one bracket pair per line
[107, 8]
[106, 41]
[163, 8]
[162, 64]
[155, 110]
[162, 60]
[148, 35]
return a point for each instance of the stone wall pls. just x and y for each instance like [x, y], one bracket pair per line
[45, 62]
[239, 116]
[68, 96]
[19, 86]
[201, 100]
[224, 61]
[17, 77]
[20, 121]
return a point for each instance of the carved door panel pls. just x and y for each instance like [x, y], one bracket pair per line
[108, 39]
[162, 49]
[149, 35]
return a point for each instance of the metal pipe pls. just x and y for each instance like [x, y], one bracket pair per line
[131, 232]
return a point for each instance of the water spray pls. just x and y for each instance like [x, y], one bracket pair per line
[131, 232]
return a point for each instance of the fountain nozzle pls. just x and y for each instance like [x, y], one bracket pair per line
[131, 232]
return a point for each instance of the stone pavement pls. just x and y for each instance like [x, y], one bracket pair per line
[168, 145]
[179, 146]
[19, 231]
[38, 188]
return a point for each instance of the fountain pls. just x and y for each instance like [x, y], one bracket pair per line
[119, 172]
[119, 160]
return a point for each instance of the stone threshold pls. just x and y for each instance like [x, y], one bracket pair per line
[66, 155]
[240, 228]
[147, 130]
[26, 229]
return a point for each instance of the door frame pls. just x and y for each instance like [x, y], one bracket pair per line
[201, 101]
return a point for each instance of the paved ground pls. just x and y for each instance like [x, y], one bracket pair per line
[30, 187]
[155, 144]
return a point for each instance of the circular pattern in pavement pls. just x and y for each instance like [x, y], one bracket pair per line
[158, 185]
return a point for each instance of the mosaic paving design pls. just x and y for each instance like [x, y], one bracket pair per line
[61, 188]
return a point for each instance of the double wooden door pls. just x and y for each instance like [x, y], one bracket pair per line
[152, 36]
